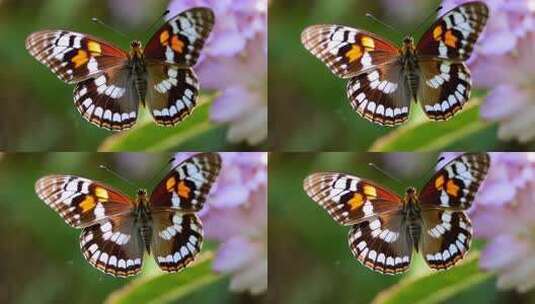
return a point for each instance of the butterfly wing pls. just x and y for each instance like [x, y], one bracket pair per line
[81, 202]
[72, 56]
[380, 95]
[346, 51]
[348, 199]
[181, 39]
[176, 239]
[113, 246]
[444, 88]
[173, 93]
[186, 187]
[455, 185]
[445, 238]
[382, 244]
[109, 100]
[454, 34]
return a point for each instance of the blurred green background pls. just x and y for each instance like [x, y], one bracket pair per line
[310, 261]
[38, 113]
[40, 254]
[309, 110]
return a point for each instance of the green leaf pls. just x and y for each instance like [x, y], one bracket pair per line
[147, 136]
[165, 288]
[426, 135]
[436, 287]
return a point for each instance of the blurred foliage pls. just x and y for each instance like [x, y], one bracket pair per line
[310, 261]
[309, 109]
[37, 108]
[41, 259]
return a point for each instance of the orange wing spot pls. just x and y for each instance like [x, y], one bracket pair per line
[101, 194]
[176, 44]
[170, 184]
[87, 204]
[80, 58]
[452, 188]
[450, 39]
[437, 33]
[94, 47]
[183, 190]
[164, 38]
[370, 191]
[368, 42]
[439, 182]
[356, 201]
[355, 53]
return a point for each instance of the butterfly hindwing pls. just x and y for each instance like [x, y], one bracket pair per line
[79, 201]
[347, 51]
[454, 34]
[176, 239]
[455, 185]
[381, 244]
[349, 199]
[73, 56]
[188, 185]
[173, 93]
[181, 39]
[446, 237]
[113, 246]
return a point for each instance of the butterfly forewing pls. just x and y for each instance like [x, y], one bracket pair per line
[454, 34]
[176, 239]
[188, 184]
[349, 199]
[173, 93]
[79, 201]
[446, 237]
[455, 185]
[346, 51]
[180, 40]
[113, 246]
[72, 56]
[381, 244]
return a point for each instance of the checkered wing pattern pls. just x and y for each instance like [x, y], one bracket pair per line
[181, 39]
[109, 101]
[380, 95]
[81, 202]
[445, 238]
[187, 186]
[349, 199]
[113, 246]
[454, 34]
[176, 240]
[456, 184]
[173, 93]
[346, 51]
[382, 244]
[72, 56]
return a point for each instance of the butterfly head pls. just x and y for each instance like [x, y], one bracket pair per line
[411, 196]
[408, 43]
[137, 48]
[142, 196]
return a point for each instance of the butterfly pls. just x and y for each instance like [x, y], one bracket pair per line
[117, 230]
[384, 78]
[111, 83]
[385, 227]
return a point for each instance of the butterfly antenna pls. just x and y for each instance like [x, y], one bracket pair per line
[117, 175]
[383, 23]
[151, 28]
[427, 18]
[96, 20]
[159, 172]
[432, 169]
[397, 180]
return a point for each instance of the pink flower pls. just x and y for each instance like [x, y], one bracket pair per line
[236, 216]
[234, 63]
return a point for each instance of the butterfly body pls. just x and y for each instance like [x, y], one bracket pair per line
[386, 228]
[118, 230]
[111, 83]
[384, 78]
